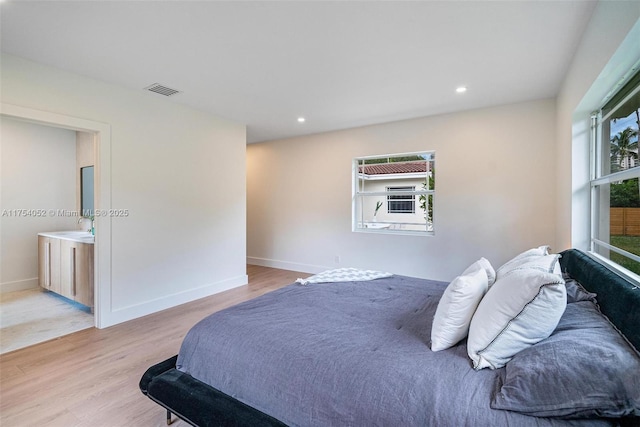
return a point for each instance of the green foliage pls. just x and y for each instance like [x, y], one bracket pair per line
[625, 194]
[378, 206]
[426, 201]
[629, 244]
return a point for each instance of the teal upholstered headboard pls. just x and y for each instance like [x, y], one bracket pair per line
[618, 298]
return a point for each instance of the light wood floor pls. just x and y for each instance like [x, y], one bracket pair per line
[34, 315]
[90, 378]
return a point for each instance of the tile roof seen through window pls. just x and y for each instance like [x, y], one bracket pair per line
[393, 168]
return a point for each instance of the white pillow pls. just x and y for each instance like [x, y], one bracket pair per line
[519, 310]
[488, 268]
[539, 251]
[533, 252]
[456, 307]
[545, 263]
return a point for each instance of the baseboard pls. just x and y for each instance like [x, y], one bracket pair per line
[138, 310]
[19, 285]
[287, 265]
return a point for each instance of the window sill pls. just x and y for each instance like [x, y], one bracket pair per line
[386, 230]
[616, 268]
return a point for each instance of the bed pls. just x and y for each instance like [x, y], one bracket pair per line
[358, 353]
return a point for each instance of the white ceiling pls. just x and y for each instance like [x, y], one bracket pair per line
[339, 64]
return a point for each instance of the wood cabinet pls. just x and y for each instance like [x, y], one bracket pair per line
[49, 263]
[76, 271]
[66, 267]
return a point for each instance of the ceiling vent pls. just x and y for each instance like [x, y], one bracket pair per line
[162, 90]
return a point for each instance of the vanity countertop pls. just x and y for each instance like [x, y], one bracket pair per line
[74, 235]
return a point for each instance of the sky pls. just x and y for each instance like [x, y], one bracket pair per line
[622, 124]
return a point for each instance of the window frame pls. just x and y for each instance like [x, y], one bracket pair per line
[396, 198]
[357, 196]
[601, 175]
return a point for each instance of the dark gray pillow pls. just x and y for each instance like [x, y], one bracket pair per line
[575, 291]
[584, 369]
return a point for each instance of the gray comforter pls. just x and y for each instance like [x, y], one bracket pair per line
[346, 354]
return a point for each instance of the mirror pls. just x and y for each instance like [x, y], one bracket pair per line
[86, 193]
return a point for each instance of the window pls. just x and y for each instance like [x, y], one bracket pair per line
[394, 193]
[615, 183]
[401, 203]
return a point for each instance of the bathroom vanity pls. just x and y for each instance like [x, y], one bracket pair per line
[65, 264]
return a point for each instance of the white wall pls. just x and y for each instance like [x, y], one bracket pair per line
[179, 172]
[37, 174]
[495, 193]
[607, 50]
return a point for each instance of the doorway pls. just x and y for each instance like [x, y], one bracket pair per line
[101, 135]
[39, 299]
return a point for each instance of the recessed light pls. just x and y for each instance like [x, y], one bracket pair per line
[301, 119]
[461, 89]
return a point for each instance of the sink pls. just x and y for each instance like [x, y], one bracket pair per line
[75, 235]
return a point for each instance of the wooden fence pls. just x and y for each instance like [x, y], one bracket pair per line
[624, 221]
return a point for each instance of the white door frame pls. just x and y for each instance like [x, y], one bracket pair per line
[102, 162]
